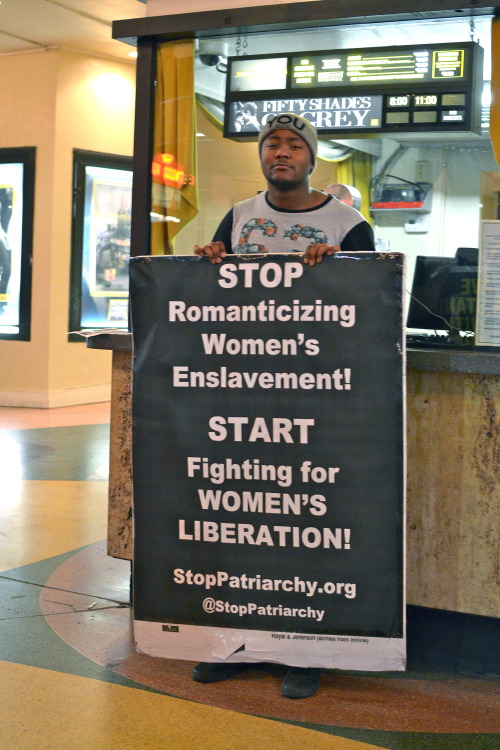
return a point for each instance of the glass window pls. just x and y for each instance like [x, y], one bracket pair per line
[421, 183]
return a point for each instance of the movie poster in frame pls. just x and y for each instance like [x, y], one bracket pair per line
[101, 241]
[17, 175]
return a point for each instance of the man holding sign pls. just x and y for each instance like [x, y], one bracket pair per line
[290, 216]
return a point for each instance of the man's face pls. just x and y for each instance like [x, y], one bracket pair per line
[285, 159]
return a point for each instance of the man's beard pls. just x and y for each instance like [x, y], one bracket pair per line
[285, 185]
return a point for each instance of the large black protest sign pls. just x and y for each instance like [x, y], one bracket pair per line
[268, 458]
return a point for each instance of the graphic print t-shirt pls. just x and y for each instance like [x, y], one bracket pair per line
[255, 226]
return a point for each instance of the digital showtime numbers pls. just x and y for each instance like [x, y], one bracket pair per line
[428, 100]
[399, 101]
[426, 109]
[413, 100]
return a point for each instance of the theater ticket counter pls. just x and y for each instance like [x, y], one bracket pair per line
[453, 395]
[453, 493]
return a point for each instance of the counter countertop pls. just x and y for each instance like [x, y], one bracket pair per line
[474, 361]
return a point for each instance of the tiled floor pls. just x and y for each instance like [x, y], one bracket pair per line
[71, 678]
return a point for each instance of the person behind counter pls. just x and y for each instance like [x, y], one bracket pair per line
[290, 216]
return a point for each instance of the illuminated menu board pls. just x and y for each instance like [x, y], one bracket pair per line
[369, 67]
[415, 89]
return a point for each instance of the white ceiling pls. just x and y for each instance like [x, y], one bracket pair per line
[28, 25]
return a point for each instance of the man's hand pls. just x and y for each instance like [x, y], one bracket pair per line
[314, 253]
[214, 250]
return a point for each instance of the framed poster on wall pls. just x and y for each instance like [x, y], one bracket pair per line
[102, 194]
[17, 187]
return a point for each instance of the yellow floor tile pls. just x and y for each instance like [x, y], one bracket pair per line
[41, 519]
[42, 710]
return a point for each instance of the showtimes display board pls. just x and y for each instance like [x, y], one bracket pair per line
[396, 89]
[268, 459]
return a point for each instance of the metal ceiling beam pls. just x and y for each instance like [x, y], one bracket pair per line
[289, 16]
